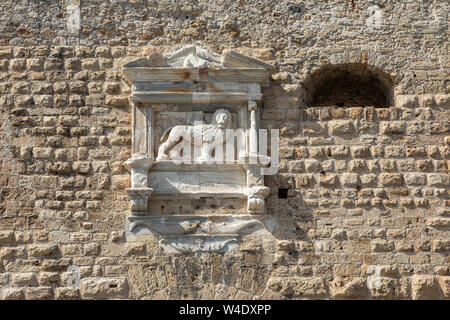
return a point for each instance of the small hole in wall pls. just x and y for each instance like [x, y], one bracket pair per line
[283, 193]
[113, 285]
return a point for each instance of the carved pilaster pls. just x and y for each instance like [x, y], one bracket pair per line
[253, 134]
[139, 192]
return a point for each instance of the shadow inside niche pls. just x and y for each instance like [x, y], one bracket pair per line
[348, 85]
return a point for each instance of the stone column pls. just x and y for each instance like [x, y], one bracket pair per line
[139, 192]
[253, 134]
[256, 191]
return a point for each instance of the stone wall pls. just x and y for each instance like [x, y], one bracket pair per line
[366, 214]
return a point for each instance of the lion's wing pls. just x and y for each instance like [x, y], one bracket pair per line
[206, 133]
[194, 117]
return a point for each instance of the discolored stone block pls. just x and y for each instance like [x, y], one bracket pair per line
[425, 287]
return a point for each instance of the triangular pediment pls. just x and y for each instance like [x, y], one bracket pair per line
[193, 57]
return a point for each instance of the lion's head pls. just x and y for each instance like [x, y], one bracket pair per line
[222, 118]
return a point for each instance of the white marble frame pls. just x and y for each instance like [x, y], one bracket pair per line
[192, 79]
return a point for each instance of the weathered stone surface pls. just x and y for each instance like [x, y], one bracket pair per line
[364, 149]
[348, 288]
[439, 180]
[438, 222]
[43, 251]
[314, 129]
[391, 179]
[48, 278]
[342, 127]
[24, 279]
[425, 287]
[349, 179]
[444, 282]
[393, 128]
[6, 236]
[299, 287]
[12, 294]
[111, 288]
[310, 287]
[414, 179]
[39, 293]
[66, 293]
[329, 180]
[407, 101]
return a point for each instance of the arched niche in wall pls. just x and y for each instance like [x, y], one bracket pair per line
[348, 85]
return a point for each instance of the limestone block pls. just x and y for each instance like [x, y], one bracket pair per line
[12, 294]
[66, 293]
[393, 127]
[415, 179]
[329, 180]
[317, 152]
[438, 222]
[425, 287]
[357, 165]
[20, 88]
[391, 179]
[53, 64]
[440, 245]
[312, 165]
[6, 236]
[90, 64]
[304, 180]
[309, 287]
[39, 293]
[340, 151]
[426, 101]
[442, 100]
[17, 65]
[48, 278]
[41, 88]
[360, 151]
[72, 64]
[342, 127]
[444, 282]
[348, 288]
[314, 129]
[349, 179]
[23, 279]
[406, 101]
[12, 252]
[382, 245]
[439, 180]
[101, 288]
[286, 245]
[43, 250]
